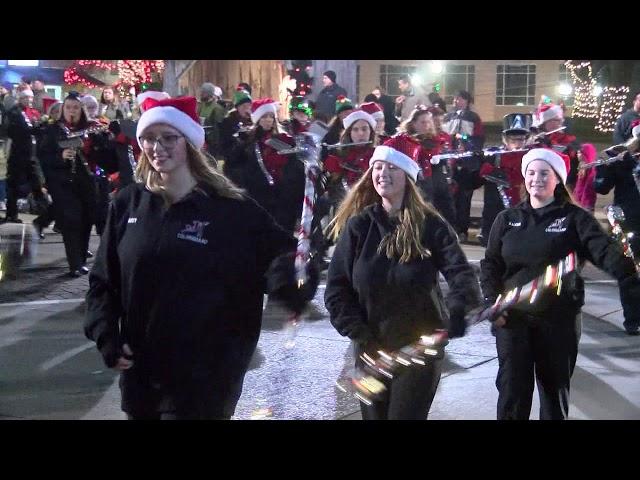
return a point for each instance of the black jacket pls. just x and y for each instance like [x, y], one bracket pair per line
[619, 175]
[183, 286]
[524, 240]
[373, 299]
[228, 128]
[326, 101]
[622, 131]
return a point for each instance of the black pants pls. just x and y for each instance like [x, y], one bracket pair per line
[544, 350]
[492, 206]
[462, 200]
[409, 395]
[102, 202]
[629, 309]
[442, 199]
[45, 219]
[17, 176]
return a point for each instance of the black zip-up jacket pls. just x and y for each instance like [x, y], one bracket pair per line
[524, 240]
[619, 175]
[372, 299]
[622, 131]
[183, 286]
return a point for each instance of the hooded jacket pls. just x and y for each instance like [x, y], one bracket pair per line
[372, 299]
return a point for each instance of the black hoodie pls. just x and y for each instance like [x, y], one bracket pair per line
[374, 299]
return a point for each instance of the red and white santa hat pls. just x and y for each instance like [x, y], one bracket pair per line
[373, 109]
[151, 94]
[356, 115]
[401, 151]
[25, 93]
[261, 107]
[635, 128]
[547, 112]
[180, 113]
[560, 163]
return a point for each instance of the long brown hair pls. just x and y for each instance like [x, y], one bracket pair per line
[404, 243]
[200, 169]
[346, 135]
[408, 126]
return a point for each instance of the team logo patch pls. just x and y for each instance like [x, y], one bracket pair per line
[515, 224]
[194, 232]
[559, 225]
[132, 220]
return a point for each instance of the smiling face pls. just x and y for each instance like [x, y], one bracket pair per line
[170, 153]
[360, 131]
[389, 181]
[540, 181]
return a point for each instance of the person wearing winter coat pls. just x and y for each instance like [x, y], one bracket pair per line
[328, 96]
[585, 190]
[175, 295]
[538, 339]
[382, 285]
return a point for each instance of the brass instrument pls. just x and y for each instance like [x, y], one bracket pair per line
[329, 146]
[615, 215]
[266, 173]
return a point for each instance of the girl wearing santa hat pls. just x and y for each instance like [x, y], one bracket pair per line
[175, 296]
[539, 340]
[382, 286]
[275, 181]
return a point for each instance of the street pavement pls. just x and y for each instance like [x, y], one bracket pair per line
[49, 370]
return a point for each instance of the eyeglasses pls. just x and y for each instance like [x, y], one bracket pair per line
[168, 142]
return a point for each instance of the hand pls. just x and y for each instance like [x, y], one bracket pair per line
[400, 99]
[124, 363]
[68, 154]
[501, 321]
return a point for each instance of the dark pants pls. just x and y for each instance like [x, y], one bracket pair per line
[44, 220]
[409, 395]
[462, 200]
[491, 207]
[17, 176]
[442, 199]
[544, 350]
[102, 202]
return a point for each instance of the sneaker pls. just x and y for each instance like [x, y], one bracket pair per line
[632, 330]
[10, 220]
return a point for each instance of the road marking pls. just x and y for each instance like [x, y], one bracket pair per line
[108, 408]
[593, 282]
[63, 357]
[42, 302]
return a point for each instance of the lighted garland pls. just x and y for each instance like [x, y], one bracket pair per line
[585, 103]
[613, 101]
[130, 72]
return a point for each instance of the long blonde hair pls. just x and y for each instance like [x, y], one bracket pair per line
[404, 243]
[200, 169]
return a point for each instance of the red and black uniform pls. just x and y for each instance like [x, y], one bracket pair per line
[352, 165]
[282, 199]
[505, 166]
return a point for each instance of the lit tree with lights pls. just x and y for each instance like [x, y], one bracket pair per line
[300, 72]
[613, 100]
[584, 86]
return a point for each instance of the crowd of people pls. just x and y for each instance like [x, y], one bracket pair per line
[200, 206]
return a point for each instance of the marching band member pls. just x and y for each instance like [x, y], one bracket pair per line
[300, 113]
[275, 181]
[382, 286]
[238, 120]
[504, 166]
[540, 339]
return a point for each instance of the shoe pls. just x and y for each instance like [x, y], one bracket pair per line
[633, 331]
[89, 254]
[56, 229]
[84, 270]
[10, 220]
[463, 237]
[75, 273]
[39, 229]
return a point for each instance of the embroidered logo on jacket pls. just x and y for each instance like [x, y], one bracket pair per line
[194, 232]
[515, 224]
[557, 226]
[132, 220]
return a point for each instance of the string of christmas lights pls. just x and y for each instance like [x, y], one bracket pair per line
[130, 72]
[613, 101]
[585, 103]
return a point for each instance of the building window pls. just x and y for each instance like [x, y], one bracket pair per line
[357, 83]
[516, 85]
[24, 63]
[389, 75]
[458, 77]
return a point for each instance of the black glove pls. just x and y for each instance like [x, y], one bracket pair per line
[457, 323]
[282, 285]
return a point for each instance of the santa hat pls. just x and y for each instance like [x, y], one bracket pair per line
[547, 112]
[356, 115]
[261, 107]
[373, 109]
[25, 93]
[343, 103]
[180, 113]
[47, 103]
[635, 128]
[559, 162]
[401, 151]
[151, 94]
